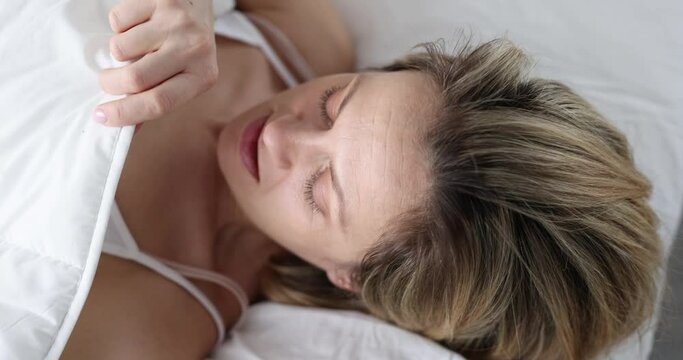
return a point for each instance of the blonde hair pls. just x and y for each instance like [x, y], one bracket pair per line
[535, 240]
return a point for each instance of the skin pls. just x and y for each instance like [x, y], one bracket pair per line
[170, 44]
[211, 213]
[371, 145]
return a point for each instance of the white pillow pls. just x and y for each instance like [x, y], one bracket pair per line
[283, 332]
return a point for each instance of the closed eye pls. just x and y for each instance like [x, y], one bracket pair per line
[322, 104]
[351, 87]
[308, 190]
[312, 179]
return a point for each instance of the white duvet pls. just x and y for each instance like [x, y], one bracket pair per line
[59, 170]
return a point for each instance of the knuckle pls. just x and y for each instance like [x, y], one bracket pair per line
[210, 75]
[182, 19]
[135, 79]
[115, 19]
[103, 80]
[116, 115]
[116, 49]
[203, 86]
[200, 45]
[160, 103]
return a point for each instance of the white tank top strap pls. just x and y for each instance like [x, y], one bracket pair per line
[223, 281]
[241, 27]
[286, 48]
[119, 242]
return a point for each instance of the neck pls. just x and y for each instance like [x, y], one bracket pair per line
[228, 213]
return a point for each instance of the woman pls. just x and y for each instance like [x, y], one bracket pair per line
[451, 195]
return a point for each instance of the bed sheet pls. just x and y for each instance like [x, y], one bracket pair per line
[58, 169]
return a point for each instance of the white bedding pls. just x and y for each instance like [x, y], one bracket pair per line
[276, 331]
[59, 170]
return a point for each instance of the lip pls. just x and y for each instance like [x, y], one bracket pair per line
[248, 145]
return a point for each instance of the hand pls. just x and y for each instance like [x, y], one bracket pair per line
[173, 48]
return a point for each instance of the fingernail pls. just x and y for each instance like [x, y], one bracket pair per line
[99, 116]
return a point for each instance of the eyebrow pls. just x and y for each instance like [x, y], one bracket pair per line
[353, 86]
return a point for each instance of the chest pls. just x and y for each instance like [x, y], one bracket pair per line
[171, 188]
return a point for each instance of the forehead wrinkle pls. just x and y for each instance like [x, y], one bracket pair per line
[381, 182]
[401, 169]
[384, 170]
[375, 172]
[387, 149]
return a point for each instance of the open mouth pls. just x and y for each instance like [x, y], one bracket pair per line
[249, 145]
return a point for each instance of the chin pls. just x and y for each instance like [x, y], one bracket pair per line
[223, 147]
[231, 169]
[227, 154]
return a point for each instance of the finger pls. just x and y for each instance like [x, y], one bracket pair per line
[137, 41]
[143, 74]
[151, 104]
[129, 13]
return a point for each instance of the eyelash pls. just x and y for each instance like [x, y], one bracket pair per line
[310, 181]
[322, 103]
[308, 189]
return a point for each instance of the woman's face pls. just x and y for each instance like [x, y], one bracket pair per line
[331, 176]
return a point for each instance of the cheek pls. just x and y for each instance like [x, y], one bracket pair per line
[272, 210]
[277, 214]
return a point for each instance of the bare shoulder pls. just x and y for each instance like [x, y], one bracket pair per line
[314, 26]
[133, 313]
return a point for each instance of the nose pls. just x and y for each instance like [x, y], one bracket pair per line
[289, 139]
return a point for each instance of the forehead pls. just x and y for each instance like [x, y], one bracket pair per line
[380, 152]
